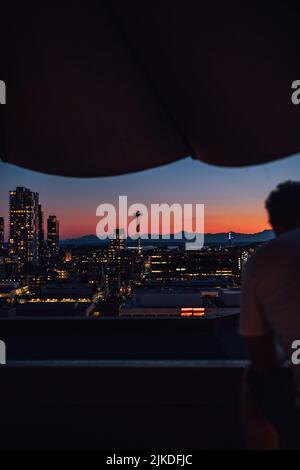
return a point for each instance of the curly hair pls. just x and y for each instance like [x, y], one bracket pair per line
[283, 205]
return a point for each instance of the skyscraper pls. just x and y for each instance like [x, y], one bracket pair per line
[41, 231]
[1, 233]
[53, 235]
[117, 256]
[24, 227]
[117, 244]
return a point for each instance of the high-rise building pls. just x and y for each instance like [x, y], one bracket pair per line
[1, 233]
[41, 231]
[117, 260]
[24, 227]
[53, 235]
[117, 244]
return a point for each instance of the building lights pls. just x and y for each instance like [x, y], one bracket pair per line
[192, 312]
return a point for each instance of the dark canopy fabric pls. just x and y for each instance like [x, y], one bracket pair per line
[99, 88]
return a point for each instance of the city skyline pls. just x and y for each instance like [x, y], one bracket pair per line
[234, 198]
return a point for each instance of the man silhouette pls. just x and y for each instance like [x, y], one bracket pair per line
[270, 323]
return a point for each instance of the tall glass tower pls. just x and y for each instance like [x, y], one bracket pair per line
[53, 236]
[24, 227]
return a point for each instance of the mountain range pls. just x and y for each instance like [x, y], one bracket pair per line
[209, 239]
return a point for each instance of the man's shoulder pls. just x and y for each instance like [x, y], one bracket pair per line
[263, 251]
[271, 251]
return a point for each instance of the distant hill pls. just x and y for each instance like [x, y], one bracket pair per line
[86, 240]
[239, 238]
[209, 238]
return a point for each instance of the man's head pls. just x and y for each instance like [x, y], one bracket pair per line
[283, 206]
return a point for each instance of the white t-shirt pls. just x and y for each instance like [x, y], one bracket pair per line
[271, 293]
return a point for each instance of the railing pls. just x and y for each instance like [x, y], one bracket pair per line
[122, 339]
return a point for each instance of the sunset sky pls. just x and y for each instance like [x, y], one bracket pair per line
[233, 198]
